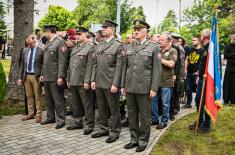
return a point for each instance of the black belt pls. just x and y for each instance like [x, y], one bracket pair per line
[30, 73]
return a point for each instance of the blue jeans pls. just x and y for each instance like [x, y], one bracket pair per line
[166, 93]
[191, 81]
[204, 118]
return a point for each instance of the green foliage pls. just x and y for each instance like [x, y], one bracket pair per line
[59, 16]
[199, 17]
[169, 24]
[3, 83]
[96, 11]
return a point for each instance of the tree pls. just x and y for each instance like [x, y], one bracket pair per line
[23, 26]
[199, 17]
[95, 11]
[2, 15]
[59, 16]
[169, 24]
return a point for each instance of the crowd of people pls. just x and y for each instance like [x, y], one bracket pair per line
[151, 75]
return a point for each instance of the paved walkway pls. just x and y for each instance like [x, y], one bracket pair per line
[18, 137]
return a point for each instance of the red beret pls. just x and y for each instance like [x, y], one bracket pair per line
[71, 32]
[72, 37]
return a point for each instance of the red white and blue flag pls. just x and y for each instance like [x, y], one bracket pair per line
[213, 97]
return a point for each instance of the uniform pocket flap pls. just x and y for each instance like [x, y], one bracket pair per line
[129, 53]
[147, 53]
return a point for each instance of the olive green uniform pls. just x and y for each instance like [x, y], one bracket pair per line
[54, 67]
[79, 72]
[141, 73]
[107, 71]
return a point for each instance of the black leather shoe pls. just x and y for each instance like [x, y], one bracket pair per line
[130, 145]
[172, 117]
[99, 134]
[59, 126]
[204, 129]
[73, 127]
[140, 148]
[47, 122]
[111, 139]
[155, 123]
[87, 132]
[161, 126]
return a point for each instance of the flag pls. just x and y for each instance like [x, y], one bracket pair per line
[213, 97]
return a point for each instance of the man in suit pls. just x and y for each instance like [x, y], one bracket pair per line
[29, 73]
[78, 80]
[105, 79]
[140, 82]
[53, 76]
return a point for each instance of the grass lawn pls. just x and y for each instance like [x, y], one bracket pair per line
[178, 140]
[6, 65]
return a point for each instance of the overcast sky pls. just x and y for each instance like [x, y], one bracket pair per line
[154, 15]
[155, 10]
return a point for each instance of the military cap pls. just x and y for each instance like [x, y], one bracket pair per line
[91, 34]
[109, 23]
[81, 29]
[138, 23]
[71, 31]
[50, 27]
[175, 35]
[72, 37]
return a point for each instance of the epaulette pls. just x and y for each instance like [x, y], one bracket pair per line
[153, 42]
[118, 40]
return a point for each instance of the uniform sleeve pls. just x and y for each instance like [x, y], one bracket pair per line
[156, 76]
[62, 59]
[124, 70]
[119, 64]
[94, 65]
[87, 78]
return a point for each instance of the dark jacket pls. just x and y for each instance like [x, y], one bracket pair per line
[37, 63]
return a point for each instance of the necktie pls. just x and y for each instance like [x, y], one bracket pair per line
[30, 60]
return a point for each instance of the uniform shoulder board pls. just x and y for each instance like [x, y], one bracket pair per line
[59, 38]
[119, 41]
[153, 42]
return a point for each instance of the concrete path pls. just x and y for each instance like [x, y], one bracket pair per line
[28, 138]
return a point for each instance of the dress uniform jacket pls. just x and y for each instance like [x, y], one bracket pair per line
[107, 68]
[142, 68]
[55, 59]
[80, 65]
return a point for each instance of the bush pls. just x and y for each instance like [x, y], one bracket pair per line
[3, 83]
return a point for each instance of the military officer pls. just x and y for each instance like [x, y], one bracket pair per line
[79, 79]
[106, 77]
[140, 82]
[53, 75]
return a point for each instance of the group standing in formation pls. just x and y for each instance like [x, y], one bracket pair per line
[99, 70]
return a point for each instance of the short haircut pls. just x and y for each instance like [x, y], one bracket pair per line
[168, 36]
[206, 33]
[36, 31]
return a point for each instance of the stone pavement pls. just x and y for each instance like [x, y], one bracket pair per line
[28, 138]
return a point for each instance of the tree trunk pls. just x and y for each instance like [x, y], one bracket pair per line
[23, 26]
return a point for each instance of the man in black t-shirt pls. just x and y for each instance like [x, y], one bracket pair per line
[191, 69]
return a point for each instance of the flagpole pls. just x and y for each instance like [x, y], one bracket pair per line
[200, 106]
